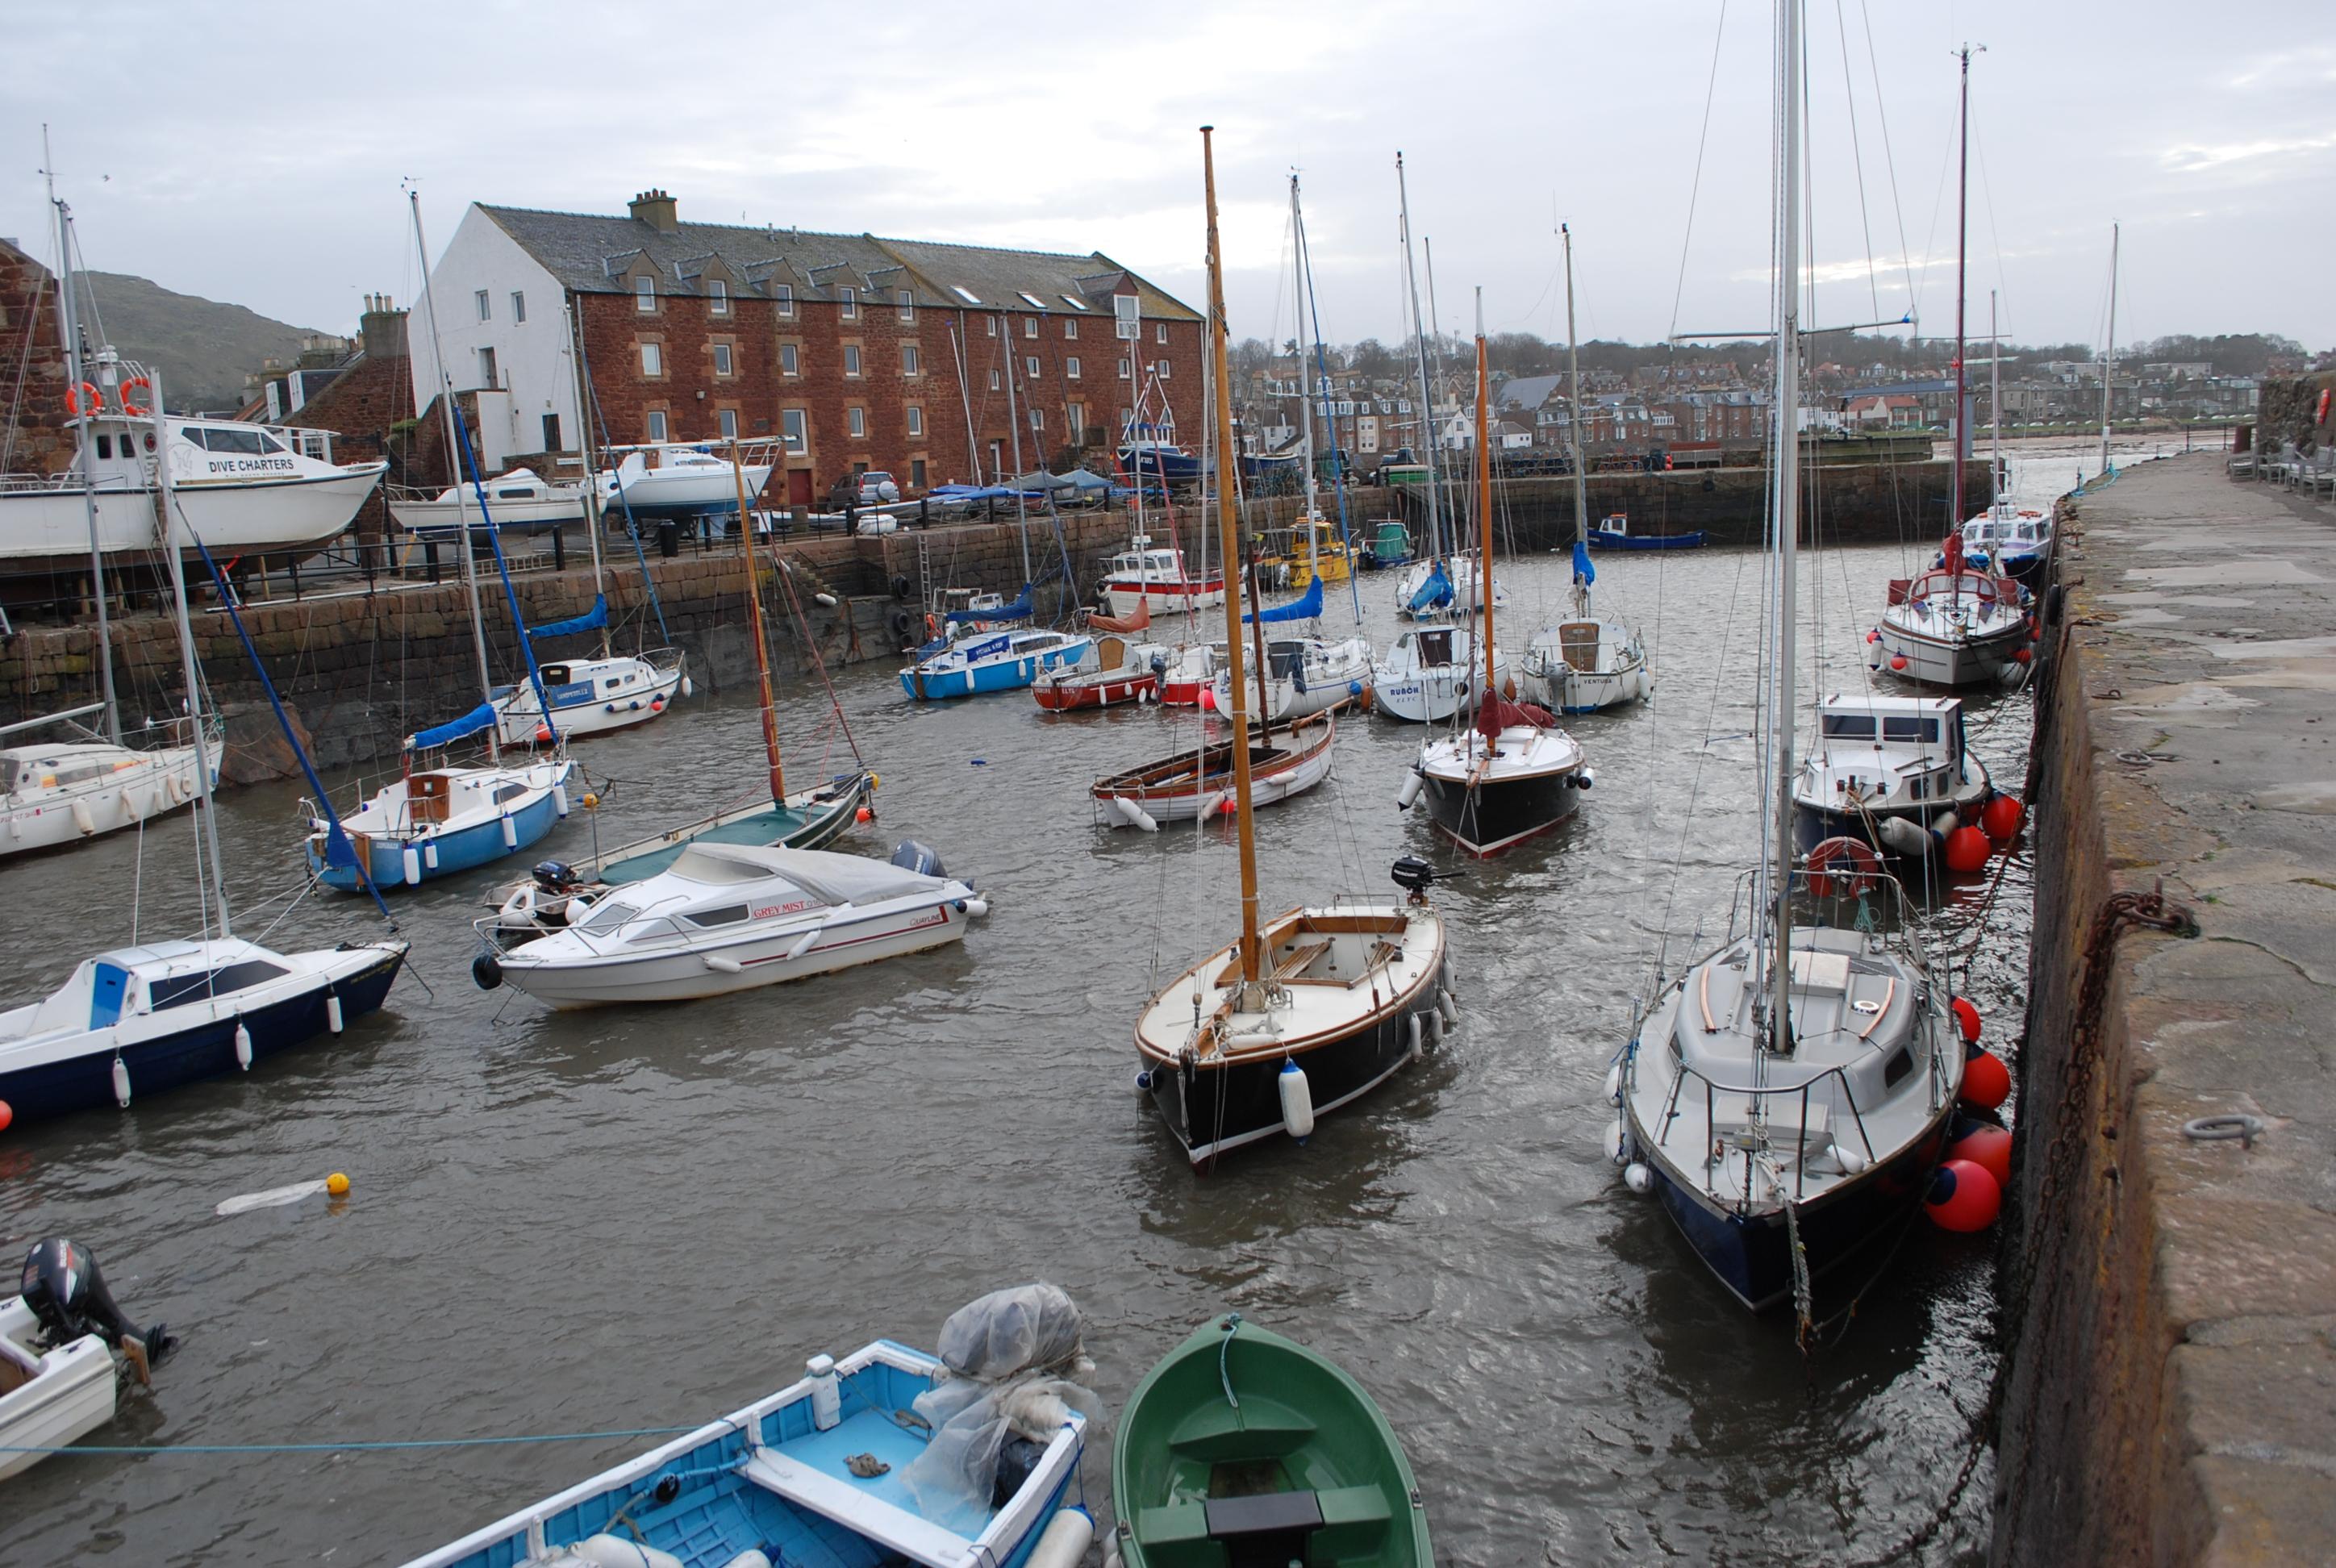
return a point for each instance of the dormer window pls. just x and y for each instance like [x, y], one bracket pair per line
[907, 303]
[717, 294]
[783, 293]
[851, 298]
[645, 295]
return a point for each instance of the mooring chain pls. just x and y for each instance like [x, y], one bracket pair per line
[2117, 911]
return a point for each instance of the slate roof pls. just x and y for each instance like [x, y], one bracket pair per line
[589, 253]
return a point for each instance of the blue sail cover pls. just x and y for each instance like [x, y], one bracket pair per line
[1306, 607]
[470, 723]
[592, 619]
[1436, 590]
[1018, 610]
[1583, 572]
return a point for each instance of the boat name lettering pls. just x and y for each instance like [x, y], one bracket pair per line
[250, 464]
[766, 913]
[984, 649]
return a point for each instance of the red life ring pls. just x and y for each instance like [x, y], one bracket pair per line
[84, 398]
[134, 410]
[1860, 873]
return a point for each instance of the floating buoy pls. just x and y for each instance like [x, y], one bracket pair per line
[1967, 1019]
[863, 815]
[1874, 637]
[337, 1184]
[1897, 661]
[511, 834]
[2020, 656]
[1297, 1100]
[333, 1011]
[2002, 817]
[1964, 1197]
[242, 1046]
[410, 866]
[591, 801]
[543, 734]
[7, 1115]
[120, 1083]
[1988, 1147]
[1967, 850]
[1208, 699]
[1637, 1177]
[1986, 1082]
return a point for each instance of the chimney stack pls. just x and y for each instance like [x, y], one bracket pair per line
[656, 208]
[381, 328]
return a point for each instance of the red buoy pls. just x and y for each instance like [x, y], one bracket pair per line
[863, 815]
[1986, 1146]
[1967, 1019]
[1874, 637]
[7, 1115]
[1967, 850]
[1208, 699]
[1897, 661]
[2020, 656]
[1964, 1197]
[1986, 1082]
[2002, 817]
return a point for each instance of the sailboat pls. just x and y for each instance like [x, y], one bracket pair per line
[1788, 1095]
[2015, 540]
[1955, 625]
[1512, 773]
[154, 1015]
[1308, 1012]
[1587, 663]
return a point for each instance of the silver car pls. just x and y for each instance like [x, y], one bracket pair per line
[877, 489]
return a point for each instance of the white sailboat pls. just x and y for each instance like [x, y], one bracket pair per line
[1787, 1096]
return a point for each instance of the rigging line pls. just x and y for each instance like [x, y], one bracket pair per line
[1995, 239]
[1702, 140]
[1890, 162]
[1857, 158]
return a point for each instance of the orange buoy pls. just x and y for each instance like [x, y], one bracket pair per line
[1967, 850]
[2002, 817]
[1964, 1197]
[1967, 1019]
[1988, 1147]
[864, 815]
[1986, 1082]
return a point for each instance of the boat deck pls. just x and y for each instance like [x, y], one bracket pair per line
[761, 828]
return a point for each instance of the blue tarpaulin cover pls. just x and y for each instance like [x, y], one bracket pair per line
[1583, 572]
[1306, 607]
[1018, 610]
[597, 616]
[470, 723]
[1436, 590]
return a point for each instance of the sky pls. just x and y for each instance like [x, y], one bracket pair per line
[258, 153]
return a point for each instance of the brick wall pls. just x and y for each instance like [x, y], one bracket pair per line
[32, 420]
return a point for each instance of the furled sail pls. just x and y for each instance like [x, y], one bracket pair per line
[1306, 606]
[470, 723]
[590, 620]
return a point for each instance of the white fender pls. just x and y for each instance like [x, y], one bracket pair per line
[81, 819]
[1614, 1084]
[430, 854]
[560, 798]
[752, 1557]
[723, 966]
[333, 1011]
[410, 863]
[1637, 1178]
[1134, 815]
[1297, 1100]
[120, 1083]
[688, 689]
[242, 1046]
[804, 942]
[1434, 1026]
[1851, 1161]
[1064, 1543]
[976, 907]
[615, 1552]
[1900, 836]
[1412, 785]
[1447, 1008]
[511, 834]
[129, 806]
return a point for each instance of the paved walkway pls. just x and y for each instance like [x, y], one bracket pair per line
[2205, 614]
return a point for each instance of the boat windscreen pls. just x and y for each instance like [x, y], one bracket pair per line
[700, 865]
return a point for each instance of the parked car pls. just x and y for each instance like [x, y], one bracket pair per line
[877, 489]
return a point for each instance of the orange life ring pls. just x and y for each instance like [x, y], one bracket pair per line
[2321, 416]
[84, 398]
[1860, 871]
[134, 410]
[932, 628]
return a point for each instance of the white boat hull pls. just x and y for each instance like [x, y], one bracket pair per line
[73, 1395]
[643, 691]
[48, 529]
[1433, 693]
[1950, 661]
[146, 784]
[691, 491]
[440, 516]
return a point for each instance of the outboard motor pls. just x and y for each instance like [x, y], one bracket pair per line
[1415, 876]
[66, 1291]
[920, 858]
[554, 876]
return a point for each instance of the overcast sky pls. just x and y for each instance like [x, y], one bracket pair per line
[253, 152]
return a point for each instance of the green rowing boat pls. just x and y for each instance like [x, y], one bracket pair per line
[1242, 1449]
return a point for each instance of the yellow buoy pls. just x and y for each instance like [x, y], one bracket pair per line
[591, 801]
[337, 1184]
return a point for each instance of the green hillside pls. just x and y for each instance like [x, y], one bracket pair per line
[202, 347]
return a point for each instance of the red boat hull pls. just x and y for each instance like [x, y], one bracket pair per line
[1098, 692]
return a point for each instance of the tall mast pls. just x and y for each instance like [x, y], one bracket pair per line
[455, 468]
[754, 628]
[2108, 352]
[1573, 423]
[1784, 461]
[1014, 429]
[1485, 499]
[1436, 346]
[1961, 442]
[1994, 406]
[1304, 383]
[69, 328]
[1419, 340]
[584, 448]
[1229, 547]
[1330, 419]
[206, 820]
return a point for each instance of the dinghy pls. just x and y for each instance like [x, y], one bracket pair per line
[1111, 671]
[59, 1380]
[1242, 1447]
[1200, 783]
[888, 1456]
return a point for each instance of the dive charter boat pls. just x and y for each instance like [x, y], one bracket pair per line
[440, 820]
[61, 792]
[686, 480]
[1007, 661]
[58, 1337]
[1954, 626]
[1889, 772]
[863, 1460]
[1431, 674]
[729, 918]
[592, 696]
[521, 498]
[1147, 575]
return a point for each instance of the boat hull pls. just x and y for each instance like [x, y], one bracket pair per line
[203, 1050]
[1493, 815]
[1125, 596]
[1095, 691]
[1429, 696]
[988, 676]
[162, 783]
[1289, 768]
[1576, 691]
[73, 1395]
[688, 494]
[1600, 539]
[48, 529]
[577, 710]
[1812, 825]
[1948, 662]
[443, 854]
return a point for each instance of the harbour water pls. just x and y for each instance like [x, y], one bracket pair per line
[639, 1218]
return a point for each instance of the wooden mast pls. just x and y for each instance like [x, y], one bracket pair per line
[1229, 549]
[1484, 500]
[755, 621]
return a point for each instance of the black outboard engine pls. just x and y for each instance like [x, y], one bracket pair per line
[920, 858]
[1415, 876]
[66, 1291]
[554, 876]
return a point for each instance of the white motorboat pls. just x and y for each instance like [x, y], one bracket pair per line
[1146, 575]
[732, 917]
[59, 1380]
[1954, 626]
[242, 489]
[1432, 673]
[1309, 674]
[2014, 540]
[63, 792]
[592, 697]
[1891, 772]
[1584, 666]
[684, 481]
[521, 498]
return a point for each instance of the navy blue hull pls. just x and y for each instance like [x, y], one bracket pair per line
[1752, 1255]
[206, 1050]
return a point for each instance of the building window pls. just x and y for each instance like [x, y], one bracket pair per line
[791, 429]
[1124, 310]
[908, 305]
[1078, 418]
[856, 421]
[990, 322]
[1160, 333]
[916, 473]
[911, 364]
[1029, 326]
[994, 381]
[656, 424]
[1070, 330]
[728, 418]
[790, 360]
[717, 294]
[916, 421]
[1163, 368]
[1071, 368]
[551, 433]
[851, 298]
[485, 313]
[784, 293]
[1038, 419]
[645, 296]
[721, 359]
[850, 359]
[996, 456]
[1030, 368]
[486, 367]
[652, 359]
[518, 304]
[1123, 373]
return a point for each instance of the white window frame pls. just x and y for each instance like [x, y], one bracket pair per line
[1071, 367]
[488, 367]
[1162, 369]
[486, 304]
[855, 421]
[645, 299]
[1038, 419]
[652, 360]
[990, 322]
[783, 294]
[717, 296]
[794, 431]
[1159, 332]
[913, 360]
[790, 359]
[722, 359]
[1030, 327]
[725, 420]
[1029, 367]
[906, 301]
[1070, 330]
[1125, 372]
[851, 360]
[916, 421]
[995, 381]
[850, 297]
[656, 423]
[519, 306]
[1127, 316]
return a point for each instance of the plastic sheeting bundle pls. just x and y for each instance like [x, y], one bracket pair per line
[1012, 1360]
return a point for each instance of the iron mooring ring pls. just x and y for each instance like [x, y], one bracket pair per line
[2222, 1129]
